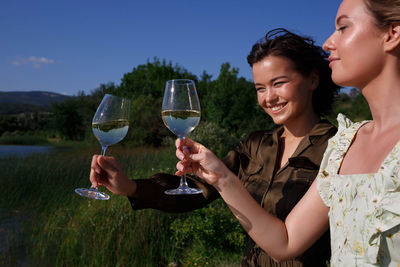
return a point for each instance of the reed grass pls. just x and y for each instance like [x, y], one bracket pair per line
[60, 228]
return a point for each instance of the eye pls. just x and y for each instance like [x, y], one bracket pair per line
[341, 28]
[260, 89]
[280, 83]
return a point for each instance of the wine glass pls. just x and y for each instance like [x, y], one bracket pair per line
[110, 125]
[181, 114]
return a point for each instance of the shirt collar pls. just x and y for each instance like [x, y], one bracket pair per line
[320, 128]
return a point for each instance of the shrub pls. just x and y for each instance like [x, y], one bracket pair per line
[215, 138]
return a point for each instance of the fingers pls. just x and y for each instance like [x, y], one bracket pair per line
[185, 155]
[185, 168]
[181, 149]
[196, 157]
[94, 166]
[180, 154]
[187, 148]
[95, 171]
[190, 145]
[109, 165]
[190, 154]
[103, 170]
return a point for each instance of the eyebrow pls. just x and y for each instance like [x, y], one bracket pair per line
[340, 18]
[279, 77]
[274, 79]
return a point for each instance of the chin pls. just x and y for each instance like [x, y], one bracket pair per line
[341, 81]
[279, 121]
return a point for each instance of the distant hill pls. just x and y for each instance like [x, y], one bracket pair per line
[20, 102]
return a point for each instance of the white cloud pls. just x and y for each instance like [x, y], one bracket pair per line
[35, 61]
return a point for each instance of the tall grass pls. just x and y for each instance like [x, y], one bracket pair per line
[60, 228]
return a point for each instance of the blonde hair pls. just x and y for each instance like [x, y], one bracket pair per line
[385, 12]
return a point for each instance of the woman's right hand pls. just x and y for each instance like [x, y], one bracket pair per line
[197, 159]
[105, 171]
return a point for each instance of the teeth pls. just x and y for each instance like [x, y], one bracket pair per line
[276, 108]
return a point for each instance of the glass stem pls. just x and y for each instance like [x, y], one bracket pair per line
[103, 153]
[103, 150]
[183, 182]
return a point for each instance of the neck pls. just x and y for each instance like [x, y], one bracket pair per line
[383, 97]
[301, 127]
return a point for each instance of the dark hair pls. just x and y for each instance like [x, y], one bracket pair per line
[306, 58]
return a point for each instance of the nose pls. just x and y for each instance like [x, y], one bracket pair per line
[268, 96]
[329, 44]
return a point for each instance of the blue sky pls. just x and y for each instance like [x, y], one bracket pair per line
[71, 46]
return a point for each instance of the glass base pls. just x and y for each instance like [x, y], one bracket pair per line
[183, 190]
[92, 193]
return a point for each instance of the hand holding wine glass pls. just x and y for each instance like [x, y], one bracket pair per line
[181, 114]
[202, 162]
[110, 125]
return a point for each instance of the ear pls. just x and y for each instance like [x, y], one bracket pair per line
[392, 38]
[314, 79]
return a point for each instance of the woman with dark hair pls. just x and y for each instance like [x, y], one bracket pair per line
[293, 84]
[306, 58]
[357, 190]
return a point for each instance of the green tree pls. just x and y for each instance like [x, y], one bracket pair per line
[203, 86]
[72, 119]
[353, 105]
[145, 87]
[68, 120]
[150, 78]
[231, 103]
[145, 121]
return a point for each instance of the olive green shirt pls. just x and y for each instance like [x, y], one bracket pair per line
[277, 191]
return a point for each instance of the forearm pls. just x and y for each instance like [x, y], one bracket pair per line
[266, 230]
[307, 221]
[150, 193]
[281, 240]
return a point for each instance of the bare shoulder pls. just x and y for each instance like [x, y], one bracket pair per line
[368, 149]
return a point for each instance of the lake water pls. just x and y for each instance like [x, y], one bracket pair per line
[14, 150]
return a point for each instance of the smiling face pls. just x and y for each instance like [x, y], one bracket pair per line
[283, 92]
[356, 54]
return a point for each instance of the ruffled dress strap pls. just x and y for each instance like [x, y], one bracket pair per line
[343, 122]
[337, 145]
[324, 180]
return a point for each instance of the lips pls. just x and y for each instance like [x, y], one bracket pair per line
[277, 108]
[332, 59]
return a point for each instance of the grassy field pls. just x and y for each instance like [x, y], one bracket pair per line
[44, 223]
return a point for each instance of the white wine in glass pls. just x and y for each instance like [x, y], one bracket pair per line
[110, 125]
[181, 122]
[181, 114]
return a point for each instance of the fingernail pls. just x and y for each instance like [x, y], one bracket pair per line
[181, 157]
[180, 167]
[186, 150]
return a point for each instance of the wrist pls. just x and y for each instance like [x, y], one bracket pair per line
[225, 181]
[131, 187]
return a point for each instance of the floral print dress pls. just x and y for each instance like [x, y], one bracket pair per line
[364, 213]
